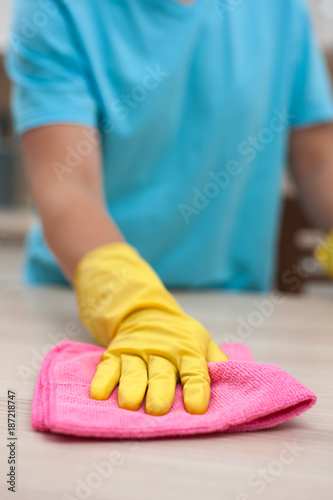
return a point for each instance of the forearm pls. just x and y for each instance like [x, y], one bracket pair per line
[312, 164]
[72, 210]
[317, 195]
[74, 224]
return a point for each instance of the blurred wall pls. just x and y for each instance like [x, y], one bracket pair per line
[5, 6]
[13, 188]
[323, 16]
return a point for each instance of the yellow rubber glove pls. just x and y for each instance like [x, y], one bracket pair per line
[151, 342]
[324, 254]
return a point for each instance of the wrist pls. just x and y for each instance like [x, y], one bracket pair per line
[111, 283]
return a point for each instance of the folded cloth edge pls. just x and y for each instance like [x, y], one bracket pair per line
[41, 418]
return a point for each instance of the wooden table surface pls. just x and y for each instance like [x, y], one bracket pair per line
[296, 334]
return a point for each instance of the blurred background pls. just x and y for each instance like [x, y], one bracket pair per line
[297, 238]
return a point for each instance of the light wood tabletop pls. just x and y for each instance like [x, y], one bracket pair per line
[294, 333]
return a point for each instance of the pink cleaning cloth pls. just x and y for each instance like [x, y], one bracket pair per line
[245, 396]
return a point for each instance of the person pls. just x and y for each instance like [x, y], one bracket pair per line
[155, 134]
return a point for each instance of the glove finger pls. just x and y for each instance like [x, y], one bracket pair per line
[162, 381]
[132, 383]
[214, 353]
[106, 378]
[196, 384]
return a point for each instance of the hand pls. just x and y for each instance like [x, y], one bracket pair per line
[151, 341]
[324, 254]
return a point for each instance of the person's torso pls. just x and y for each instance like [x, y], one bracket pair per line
[194, 110]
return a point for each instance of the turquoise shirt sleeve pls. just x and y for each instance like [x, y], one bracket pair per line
[46, 64]
[311, 100]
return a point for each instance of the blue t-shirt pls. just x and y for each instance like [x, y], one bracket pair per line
[194, 102]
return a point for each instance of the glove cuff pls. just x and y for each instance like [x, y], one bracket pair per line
[112, 282]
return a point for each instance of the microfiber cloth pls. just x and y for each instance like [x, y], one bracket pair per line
[245, 396]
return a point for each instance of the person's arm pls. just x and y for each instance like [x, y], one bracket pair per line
[311, 156]
[151, 342]
[71, 205]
